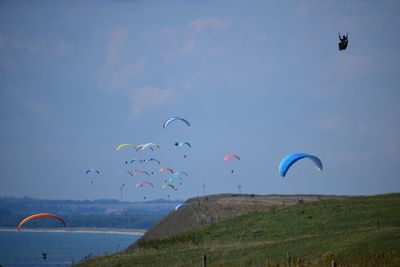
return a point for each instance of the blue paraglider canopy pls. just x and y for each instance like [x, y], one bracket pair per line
[289, 160]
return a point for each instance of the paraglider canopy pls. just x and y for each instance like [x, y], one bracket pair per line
[123, 145]
[180, 144]
[143, 183]
[40, 215]
[137, 172]
[179, 173]
[148, 145]
[168, 185]
[152, 159]
[168, 169]
[180, 205]
[289, 160]
[230, 156]
[92, 170]
[172, 119]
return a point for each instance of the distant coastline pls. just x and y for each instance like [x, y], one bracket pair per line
[80, 230]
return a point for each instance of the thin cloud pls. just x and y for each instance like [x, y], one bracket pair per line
[169, 31]
[210, 23]
[187, 48]
[35, 107]
[117, 37]
[116, 74]
[150, 97]
[31, 47]
[123, 77]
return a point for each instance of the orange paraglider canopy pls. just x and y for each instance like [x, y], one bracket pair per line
[39, 215]
[168, 169]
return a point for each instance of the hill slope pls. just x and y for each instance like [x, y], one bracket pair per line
[361, 231]
[212, 208]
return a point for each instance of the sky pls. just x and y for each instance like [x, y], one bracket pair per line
[259, 79]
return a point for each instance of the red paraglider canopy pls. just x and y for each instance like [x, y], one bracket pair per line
[39, 215]
[231, 155]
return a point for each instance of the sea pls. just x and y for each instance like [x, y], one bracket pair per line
[25, 248]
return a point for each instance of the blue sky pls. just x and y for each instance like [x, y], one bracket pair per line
[259, 80]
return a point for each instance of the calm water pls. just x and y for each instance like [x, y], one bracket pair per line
[62, 248]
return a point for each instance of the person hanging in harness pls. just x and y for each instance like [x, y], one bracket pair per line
[344, 40]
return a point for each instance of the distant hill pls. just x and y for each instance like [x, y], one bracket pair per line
[27, 205]
[352, 231]
[212, 208]
[102, 213]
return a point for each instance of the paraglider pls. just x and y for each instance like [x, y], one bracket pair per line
[180, 144]
[92, 170]
[147, 161]
[123, 145]
[173, 178]
[168, 185]
[168, 169]
[137, 172]
[227, 157]
[172, 119]
[40, 215]
[133, 160]
[180, 205]
[289, 160]
[344, 40]
[148, 145]
[230, 156]
[179, 173]
[141, 185]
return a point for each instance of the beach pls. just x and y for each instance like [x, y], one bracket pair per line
[123, 231]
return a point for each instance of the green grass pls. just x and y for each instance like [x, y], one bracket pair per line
[315, 233]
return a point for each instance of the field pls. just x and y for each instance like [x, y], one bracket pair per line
[362, 231]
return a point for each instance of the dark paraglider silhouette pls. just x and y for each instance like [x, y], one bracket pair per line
[344, 40]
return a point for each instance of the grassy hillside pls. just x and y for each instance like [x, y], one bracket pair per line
[212, 208]
[363, 231]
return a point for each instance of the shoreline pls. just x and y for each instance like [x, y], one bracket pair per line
[121, 231]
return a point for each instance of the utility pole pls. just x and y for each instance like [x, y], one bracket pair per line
[204, 189]
[240, 189]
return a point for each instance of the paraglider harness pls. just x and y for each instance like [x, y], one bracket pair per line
[344, 40]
